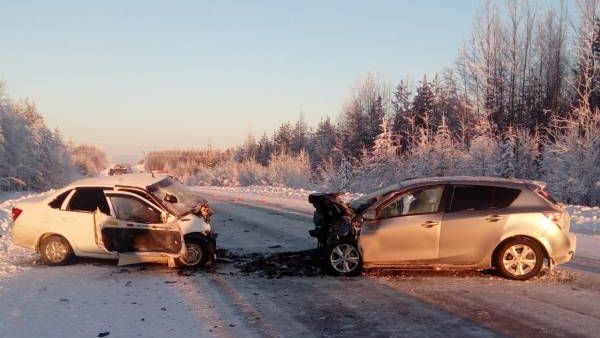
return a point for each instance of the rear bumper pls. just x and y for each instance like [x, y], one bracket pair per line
[567, 254]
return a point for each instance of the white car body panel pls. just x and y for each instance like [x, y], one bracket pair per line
[83, 230]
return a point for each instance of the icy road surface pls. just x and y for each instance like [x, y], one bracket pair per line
[95, 298]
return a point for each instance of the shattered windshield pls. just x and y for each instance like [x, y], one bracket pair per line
[365, 201]
[174, 196]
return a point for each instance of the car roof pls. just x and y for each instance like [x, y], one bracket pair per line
[132, 180]
[479, 180]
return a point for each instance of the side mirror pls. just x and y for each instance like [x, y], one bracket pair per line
[369, 215]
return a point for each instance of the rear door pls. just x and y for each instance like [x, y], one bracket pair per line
[137, 227]
[77, 217]
[406, 228]
[474, 220]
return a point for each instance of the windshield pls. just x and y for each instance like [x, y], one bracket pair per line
[184, 201]
[361, 203]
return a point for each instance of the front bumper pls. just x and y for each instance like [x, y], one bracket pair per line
[567, 254]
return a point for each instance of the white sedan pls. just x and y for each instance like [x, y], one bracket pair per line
[133, 218]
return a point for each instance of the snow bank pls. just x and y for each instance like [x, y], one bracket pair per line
[584, 219]
[12, 257]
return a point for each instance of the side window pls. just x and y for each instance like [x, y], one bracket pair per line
[482, 197]
[130, 209]
[88, 200]
[420, 201]
[58, 201]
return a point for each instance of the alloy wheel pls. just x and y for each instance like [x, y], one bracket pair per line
[519, 259]
[56, 251]
[344, 258]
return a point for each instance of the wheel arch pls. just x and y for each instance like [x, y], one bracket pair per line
[529, 237]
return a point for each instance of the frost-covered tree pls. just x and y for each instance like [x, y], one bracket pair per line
[300, 136]
[90, 160]
[444, 155]
[482, 154]
[402, 119]
[341, 177]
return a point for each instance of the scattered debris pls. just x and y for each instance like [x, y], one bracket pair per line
[103, 334]
[128, 283]
[275, 246]
[170, 281]
[277, 265]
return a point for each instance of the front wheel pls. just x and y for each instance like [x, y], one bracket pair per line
[195, 256]
[343, 259]
[519, 259]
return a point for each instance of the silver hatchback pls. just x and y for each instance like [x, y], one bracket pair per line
[445, 222]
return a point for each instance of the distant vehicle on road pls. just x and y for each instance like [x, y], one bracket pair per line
[445, 222]
[134, 218]
[119, 170]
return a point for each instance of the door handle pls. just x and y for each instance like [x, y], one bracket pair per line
[429, 224]
[494, 218]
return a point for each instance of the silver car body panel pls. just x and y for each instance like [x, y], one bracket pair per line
[465, 238]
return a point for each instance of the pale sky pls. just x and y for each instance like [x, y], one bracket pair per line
[133, 76]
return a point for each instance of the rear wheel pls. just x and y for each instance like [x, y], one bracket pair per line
[343, 259]
[519, 258]
[196, 254]
[55, 251]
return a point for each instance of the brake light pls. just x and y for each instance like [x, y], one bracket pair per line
[554, 216]
[16, 212]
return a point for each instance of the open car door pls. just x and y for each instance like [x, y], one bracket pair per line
[136, 228]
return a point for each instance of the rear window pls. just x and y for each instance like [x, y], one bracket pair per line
[89, 199]
[58, 201]
[482, 197]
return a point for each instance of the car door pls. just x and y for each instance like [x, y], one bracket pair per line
[474, 219]
[406, 228]
[77, 218]
[136, 227]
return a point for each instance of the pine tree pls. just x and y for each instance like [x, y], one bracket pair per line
[283, 138]
[423, 104]
[444, 155]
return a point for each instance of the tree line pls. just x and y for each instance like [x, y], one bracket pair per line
[34, 157]
[522, 100]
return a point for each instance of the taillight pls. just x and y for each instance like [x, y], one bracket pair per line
[554, 216]
[16, 212]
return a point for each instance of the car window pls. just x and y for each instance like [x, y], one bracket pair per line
[131, 209]
[58, 201]
[482, 197]
[89, 199]
[419, 201]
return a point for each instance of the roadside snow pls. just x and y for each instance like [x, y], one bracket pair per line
[584, 219]
[12, 257]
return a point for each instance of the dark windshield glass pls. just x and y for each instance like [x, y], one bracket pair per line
[186, 200]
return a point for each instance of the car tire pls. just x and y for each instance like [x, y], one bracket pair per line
[519, 258]
[342, 259]
[56, 250]
[196, 251]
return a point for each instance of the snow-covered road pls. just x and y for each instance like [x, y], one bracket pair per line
[93, 297]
